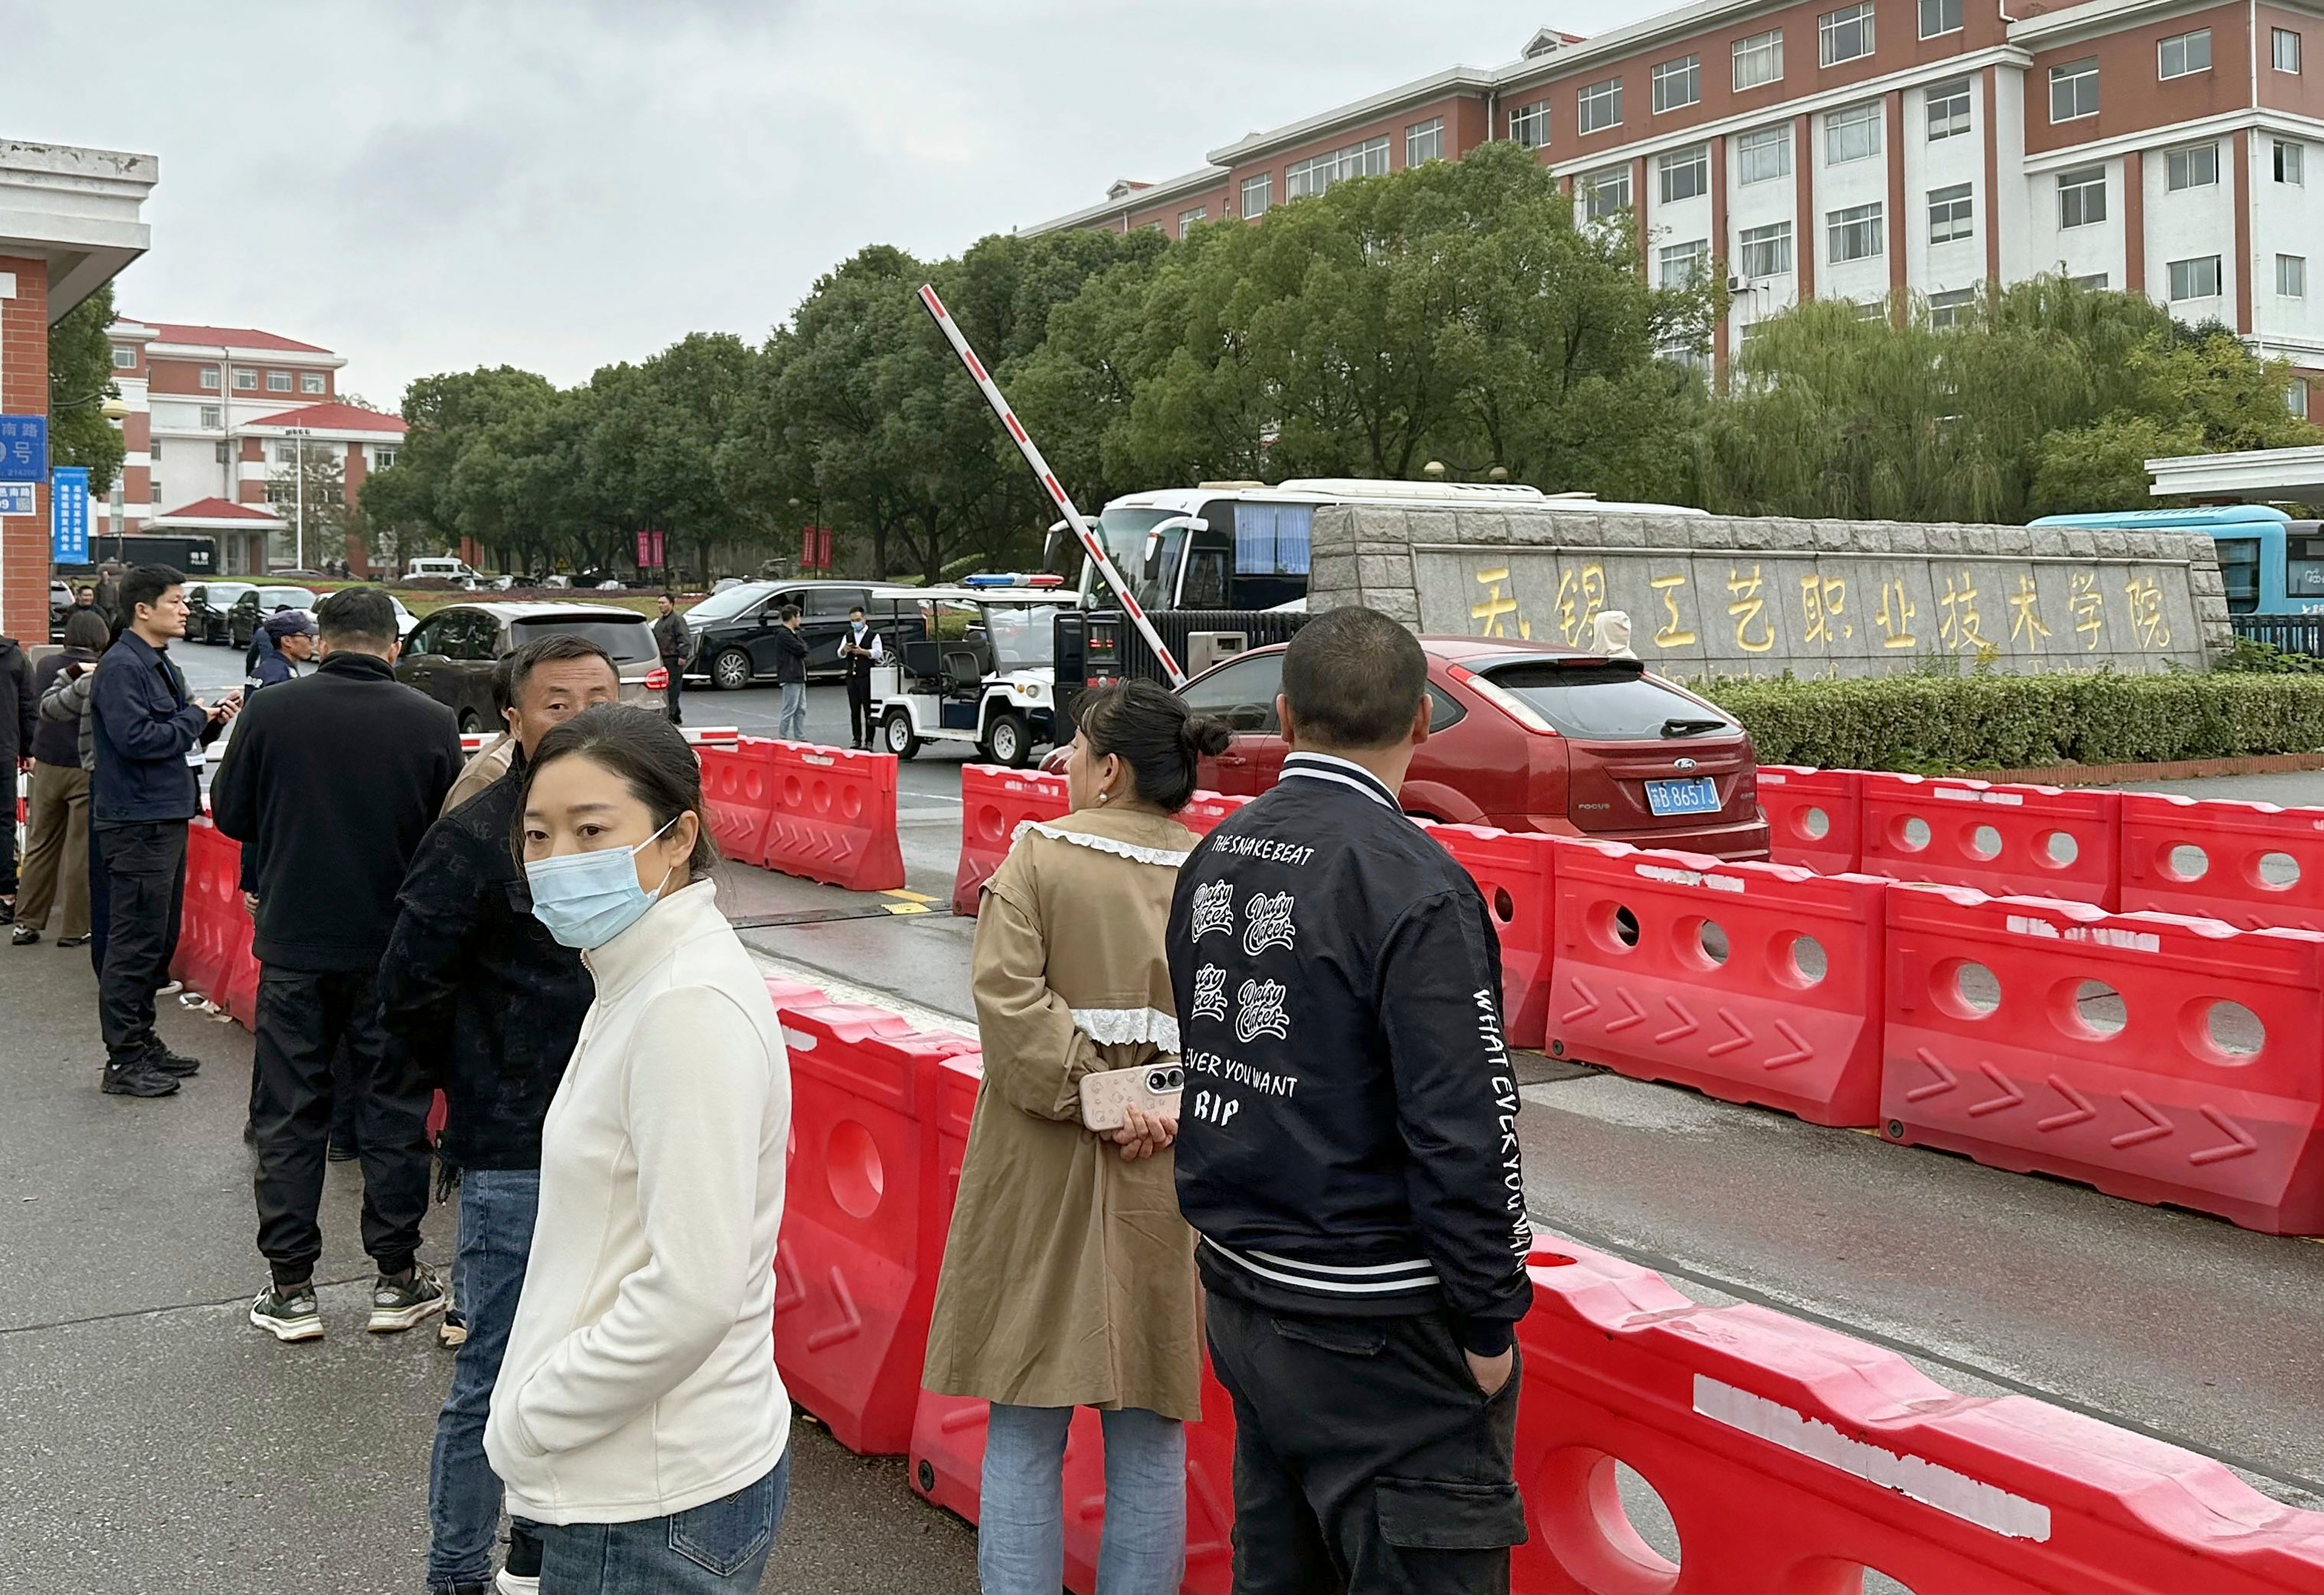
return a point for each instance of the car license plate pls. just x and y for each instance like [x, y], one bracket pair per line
[1697, 795]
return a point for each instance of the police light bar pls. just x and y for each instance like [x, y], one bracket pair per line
[1012, 579]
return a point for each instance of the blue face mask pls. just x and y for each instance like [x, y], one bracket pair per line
[587, 898]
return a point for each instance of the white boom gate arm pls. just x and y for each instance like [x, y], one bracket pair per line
[1091, 544]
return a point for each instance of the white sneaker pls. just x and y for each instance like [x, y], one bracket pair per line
[509, 1584]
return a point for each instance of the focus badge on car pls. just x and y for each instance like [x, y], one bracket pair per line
[1682, 764]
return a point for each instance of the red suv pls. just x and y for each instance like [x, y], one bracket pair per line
[1528, 739]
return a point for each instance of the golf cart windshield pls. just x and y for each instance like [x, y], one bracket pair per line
[1023, 635]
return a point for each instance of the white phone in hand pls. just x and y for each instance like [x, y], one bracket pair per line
[1154, 1088]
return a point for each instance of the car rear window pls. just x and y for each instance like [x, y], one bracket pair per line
[628, 641]
[1600, 701]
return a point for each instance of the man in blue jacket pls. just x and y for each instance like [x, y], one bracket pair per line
[148, 735]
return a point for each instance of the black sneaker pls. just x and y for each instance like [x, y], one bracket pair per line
[138, 1078]
[342, 1152]
[453, 1331]
[400, 1303]
[25, 937]
[172, 1063]
[287, 1316]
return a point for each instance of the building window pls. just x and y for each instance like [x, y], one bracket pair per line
[1950, 309]
[2096, 280]
[286, 453]
[1605, 193]
[1852, 134]
[1948, 110]
[2081, 197]
[1424, 142]
[1759, 59]
[244, 380]
[1601, 105]
[1529, 126]
[1678, 83]
[157, 490]
[2295, 397]
[213, 417]
[1187, 218]
[1940, 17]
[1257, 194]
[278, 382]
[1685, 264]
[2290, 275]
[2196, 166]
[223, 451]
[2195, 279]
[1765, 155]
[2182, 53]
[382, 458]
[1845, 35]
[310, 382]
[2283, 49]
[1765, 251]
[210, 378]
[1303, 177]
[1686, 173]
[2288, 161]
[2074, 90]
[124, 358]
[1855, 232]
[1950, 216]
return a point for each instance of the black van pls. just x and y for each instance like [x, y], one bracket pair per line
[734, 631]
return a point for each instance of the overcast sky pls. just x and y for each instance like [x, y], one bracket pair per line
[428, 186]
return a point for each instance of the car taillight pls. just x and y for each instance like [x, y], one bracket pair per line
[657, 679]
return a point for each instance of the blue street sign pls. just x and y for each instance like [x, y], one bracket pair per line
[23, 448]
[69, 515]
[16, 498]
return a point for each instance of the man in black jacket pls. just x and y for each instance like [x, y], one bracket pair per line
[790, 671]
[674, 640]
[1348, 1152]
[334, 780]
[478, 989]
[20, 717]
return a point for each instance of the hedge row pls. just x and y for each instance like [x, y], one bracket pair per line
[1930, 724]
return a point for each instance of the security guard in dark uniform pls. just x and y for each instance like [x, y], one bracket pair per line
[861, 648]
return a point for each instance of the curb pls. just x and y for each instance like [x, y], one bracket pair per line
[2181, 769]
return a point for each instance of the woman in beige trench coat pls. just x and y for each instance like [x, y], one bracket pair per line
[1068, 1276]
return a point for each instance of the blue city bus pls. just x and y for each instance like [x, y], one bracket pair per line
[2272, 565]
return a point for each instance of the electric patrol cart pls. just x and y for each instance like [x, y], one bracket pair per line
[994, 687]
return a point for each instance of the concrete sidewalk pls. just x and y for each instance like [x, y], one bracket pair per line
[154, 1441]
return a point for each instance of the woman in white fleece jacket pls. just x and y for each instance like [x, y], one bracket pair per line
[638, 1418]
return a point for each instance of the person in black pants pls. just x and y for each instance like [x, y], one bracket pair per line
[334, 780]
[861, 648]
[675, 642]
[20, 717]
[143, 792]
[1348, 1150]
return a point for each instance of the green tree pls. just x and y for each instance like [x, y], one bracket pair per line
[80, 379]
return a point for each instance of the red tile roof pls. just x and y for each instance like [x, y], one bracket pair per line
[216, 509]
[233, 337]
[333, 418]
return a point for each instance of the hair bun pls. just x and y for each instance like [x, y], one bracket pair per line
[1204, 736]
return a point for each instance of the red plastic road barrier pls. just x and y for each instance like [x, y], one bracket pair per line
[1792, 1457]
[832, 816]
[1517, 874]
[2251, 864]
[2037, 840]
[790, 993]
[1209, 1494]
[2159, 1058]
[735, 782]
[1815, 818]
[994, 801]
[1204, 810]
[701, 736]
[855, 1268]
[1752, 982]
[214, 930]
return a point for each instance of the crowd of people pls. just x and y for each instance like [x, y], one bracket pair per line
[1333, 1205]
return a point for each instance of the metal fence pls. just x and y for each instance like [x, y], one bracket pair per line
[2294, 633]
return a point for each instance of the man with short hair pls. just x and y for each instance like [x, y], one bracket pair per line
[790, 669]
[476, 985]
[675, 642]
[1348, 1151]
[148, 736]
[335, 778]
[20, 718]
[292, 634]
[861, 648]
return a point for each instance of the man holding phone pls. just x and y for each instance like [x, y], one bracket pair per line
[149, 734]
[861, 648]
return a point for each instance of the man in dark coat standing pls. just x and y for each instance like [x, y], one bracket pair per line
[20, 717]
[674, 640]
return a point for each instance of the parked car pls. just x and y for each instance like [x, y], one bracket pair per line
[1530, 738]
[207, 604]
[249, 609]
[404, 619]
[447, 567]
[734, 631]
[451, 655]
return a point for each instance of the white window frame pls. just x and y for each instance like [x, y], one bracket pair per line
[1945, 309]
[1593, 186]
[1756, 144]
[1316, 175]
[2070, 77]
[2190, 166]
[1952, 214]
[1834, 29]
[2186, 44]
[1945, 23]
[278, 381]
[1678, 84]
[2291, 276]
[210, 379]
[1261, 188]
[1594, 101]
[1762, 252]
[125, 357]
[1760, 49]
[212, 417]
[1850, 120]
[1866, 224]
[381, 458]
[2284, 46]
[2081, 181]
[245, 379]
[1694, 162]
[1187, 218]
[1955, 97]
[1423, 142]
[2294, 171]
[312, 382]
[1690, 261]
[1529, 126]
[2185, 272]
[2096, 280]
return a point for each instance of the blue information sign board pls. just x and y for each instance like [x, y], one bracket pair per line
[69, 515]
[23, 448]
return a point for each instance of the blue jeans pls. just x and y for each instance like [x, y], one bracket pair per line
[718, 1548]
[1020, 1531]
[464, 1494]
[790, 719]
